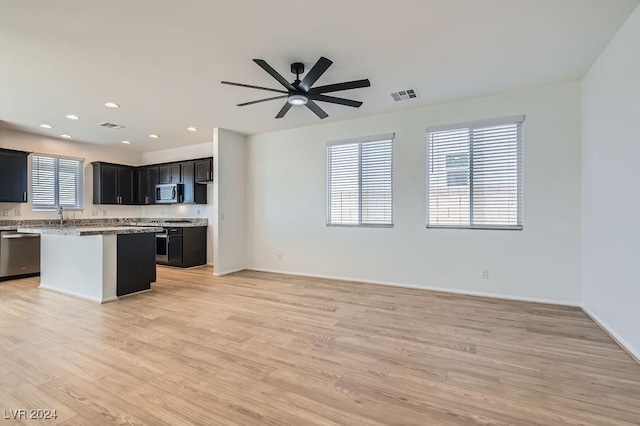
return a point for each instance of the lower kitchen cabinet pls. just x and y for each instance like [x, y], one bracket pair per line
[186, 246]
[136, 259]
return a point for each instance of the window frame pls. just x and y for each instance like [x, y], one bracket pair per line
[473, 125]
[359, 141]
[80, 205]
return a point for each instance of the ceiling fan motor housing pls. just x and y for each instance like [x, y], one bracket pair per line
[297, 68]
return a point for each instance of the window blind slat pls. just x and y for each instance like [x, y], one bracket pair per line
[475, 175]
[360, 182]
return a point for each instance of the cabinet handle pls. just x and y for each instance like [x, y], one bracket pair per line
[24, 196]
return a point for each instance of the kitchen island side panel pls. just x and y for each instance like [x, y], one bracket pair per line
[136, 262]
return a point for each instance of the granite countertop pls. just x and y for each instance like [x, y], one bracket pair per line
[170, 223]
[10, 225]
[81, 231]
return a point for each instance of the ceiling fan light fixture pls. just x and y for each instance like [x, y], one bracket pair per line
[297, 99]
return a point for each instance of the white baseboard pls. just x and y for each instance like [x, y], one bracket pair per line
[633, 353]
[419, 287]
[79, 295]
[219, 274]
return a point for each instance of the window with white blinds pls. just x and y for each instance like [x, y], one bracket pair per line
[474, 177]
[360, 181]
[56, 182]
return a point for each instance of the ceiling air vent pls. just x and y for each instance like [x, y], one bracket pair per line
[111, 125]
[404, 95]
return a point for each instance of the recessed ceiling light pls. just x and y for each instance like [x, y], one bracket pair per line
[112, 105]
[46, 126]
[66, 136]
[126, 142]
[154, 136]
[192, 129]
[72, 117]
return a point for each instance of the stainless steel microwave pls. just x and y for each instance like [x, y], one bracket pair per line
[169, 193]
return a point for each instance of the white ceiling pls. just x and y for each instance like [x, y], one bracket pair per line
[163, 60]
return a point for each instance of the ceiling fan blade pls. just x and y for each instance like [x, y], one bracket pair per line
[253, 87]
[263, 100]
[273, 73]
[339, 101]
[314, 73]
[356, 84]
[285, 109]
[316, 109]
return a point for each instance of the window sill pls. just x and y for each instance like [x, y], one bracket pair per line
[55, 209]
[334, 225]
[485, 228]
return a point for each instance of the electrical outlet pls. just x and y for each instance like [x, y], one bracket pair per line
[6, 212]
[279, 257]
[485, 273]
[16, 212]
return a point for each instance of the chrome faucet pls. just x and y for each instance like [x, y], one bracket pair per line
[60, 212]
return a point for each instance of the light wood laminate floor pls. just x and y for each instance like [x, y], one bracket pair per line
[257, 348]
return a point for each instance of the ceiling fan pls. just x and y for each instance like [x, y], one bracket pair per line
[301, 92]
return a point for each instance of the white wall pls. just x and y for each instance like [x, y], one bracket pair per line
[287, 204]
[229, 176]
[11, 139]
[611, 187]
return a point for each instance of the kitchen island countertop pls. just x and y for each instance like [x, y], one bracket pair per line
[81, 231]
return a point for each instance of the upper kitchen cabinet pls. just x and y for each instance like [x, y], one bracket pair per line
[204, 170]
[169, 173]
[194, 193]
[147, 179]
[13, 176]
[113, 184]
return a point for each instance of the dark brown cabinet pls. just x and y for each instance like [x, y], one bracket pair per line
[146, 179]
[113, 184]
[186, 246]
[136, 257]
[142, 193]
[13, 176]
[204, 170]
[120, 184]
[169, 173]
[194, 193]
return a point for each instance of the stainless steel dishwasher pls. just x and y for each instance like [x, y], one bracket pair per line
[19, 254]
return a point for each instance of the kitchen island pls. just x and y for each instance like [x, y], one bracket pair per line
[96, 263]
